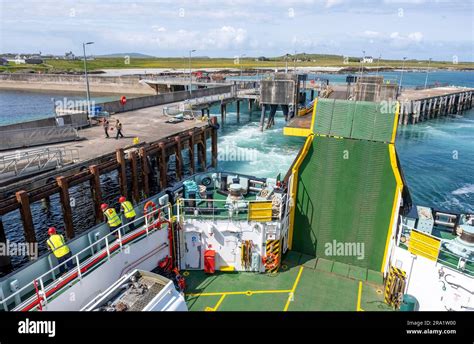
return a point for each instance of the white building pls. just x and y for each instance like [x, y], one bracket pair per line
[367, 59]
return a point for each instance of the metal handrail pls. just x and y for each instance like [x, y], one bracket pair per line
[232, 213]
[75, 257]
[21, 161]
[440, 250]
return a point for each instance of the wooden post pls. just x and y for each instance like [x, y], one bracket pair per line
[163, 167]
[122, 171]
[214, 143]
[134, 167]
[238, 111]
[96, 192]
[203, 149]
[145, 171]
[26, 218]
[191, 149]
[66, 205]
[179, 158]
[5, 262]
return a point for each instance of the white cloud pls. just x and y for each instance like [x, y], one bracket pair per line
[331, 3]
[415, 36]
[225, 37]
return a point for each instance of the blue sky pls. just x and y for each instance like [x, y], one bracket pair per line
[393, 28]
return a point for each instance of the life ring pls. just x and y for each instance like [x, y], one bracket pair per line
[150, 214]
[123, 100]
[270, 261]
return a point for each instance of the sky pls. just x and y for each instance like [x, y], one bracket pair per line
[419, 29]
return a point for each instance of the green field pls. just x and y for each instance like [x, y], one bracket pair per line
[59, 65]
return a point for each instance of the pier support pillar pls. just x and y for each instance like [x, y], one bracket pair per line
[134, 169]
[202, 148]
[96, 192]
[250, 107]
[191, 148]
[214, 143]
[122, 171]
[163, 166]
[145, 171]
[238, 111]
[5, 262]
[223, 113]
[66, 206]
[26, 218]
[405, 114]
[179, 158]
[430, 108]
[262, 117]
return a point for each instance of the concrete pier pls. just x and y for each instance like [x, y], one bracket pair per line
[420, 105]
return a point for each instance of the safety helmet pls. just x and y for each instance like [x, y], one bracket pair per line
[122, 199]
[51, 230]
[103, 206]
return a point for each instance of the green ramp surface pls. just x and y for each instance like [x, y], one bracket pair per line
[345, 195]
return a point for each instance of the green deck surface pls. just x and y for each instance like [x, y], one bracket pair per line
[345, 193]
[300, 286]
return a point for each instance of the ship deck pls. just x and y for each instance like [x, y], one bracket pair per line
[303, 283]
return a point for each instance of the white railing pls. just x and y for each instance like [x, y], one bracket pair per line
[440, 251]
[42, 293]
[237, 210]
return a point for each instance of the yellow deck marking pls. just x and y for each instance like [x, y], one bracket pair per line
[359, 298]
[219, 302]
[292, 291]
[240, 292]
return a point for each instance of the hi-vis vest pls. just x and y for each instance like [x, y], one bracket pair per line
[128, 210]
[58, 245]
[112, 218]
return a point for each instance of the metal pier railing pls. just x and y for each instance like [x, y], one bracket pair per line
[23, 162]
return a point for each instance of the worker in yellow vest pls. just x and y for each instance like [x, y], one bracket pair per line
[61, 251]
[126, 208]
[113, 219]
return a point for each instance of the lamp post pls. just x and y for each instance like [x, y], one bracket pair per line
[87, 77]
[361, 61]
[427, 72]
[240, 63]
[378, 64]
[190, 75]
[294, 62]
[401, 75]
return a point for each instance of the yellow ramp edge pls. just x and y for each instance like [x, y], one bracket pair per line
[294, 184]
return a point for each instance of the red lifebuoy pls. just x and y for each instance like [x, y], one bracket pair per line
[123, 100]
[150, 214]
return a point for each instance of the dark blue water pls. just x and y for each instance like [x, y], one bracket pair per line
[20, 106]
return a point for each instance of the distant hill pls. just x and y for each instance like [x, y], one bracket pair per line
[134, 55]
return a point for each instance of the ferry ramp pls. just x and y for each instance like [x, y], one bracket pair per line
[346, 186]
